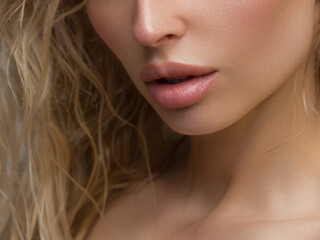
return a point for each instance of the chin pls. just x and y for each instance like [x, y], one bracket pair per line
[197, 120]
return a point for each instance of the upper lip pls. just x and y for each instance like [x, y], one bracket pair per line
[152, 72]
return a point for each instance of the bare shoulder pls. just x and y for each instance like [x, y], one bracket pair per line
[128, 217]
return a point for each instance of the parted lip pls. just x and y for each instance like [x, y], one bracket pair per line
[152, 72]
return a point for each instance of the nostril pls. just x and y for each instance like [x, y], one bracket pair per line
[150, 32]
[169, 36]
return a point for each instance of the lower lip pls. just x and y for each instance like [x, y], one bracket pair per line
[181, 94]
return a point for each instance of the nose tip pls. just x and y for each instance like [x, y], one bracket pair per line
[155, 25]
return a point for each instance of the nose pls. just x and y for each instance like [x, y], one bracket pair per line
[157, 22]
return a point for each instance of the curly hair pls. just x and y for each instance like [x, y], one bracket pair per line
[74, 131]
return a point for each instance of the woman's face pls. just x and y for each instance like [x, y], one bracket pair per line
[255, 46]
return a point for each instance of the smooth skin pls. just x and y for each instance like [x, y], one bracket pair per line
[247, 176]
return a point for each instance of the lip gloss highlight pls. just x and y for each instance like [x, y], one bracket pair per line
[181, 94]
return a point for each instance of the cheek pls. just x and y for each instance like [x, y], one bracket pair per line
[265, 41]
[257, 44]
[270, 31]
[112, 21]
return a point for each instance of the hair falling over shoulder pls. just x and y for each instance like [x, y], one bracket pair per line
[73, 128]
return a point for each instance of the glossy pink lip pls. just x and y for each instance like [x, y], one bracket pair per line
[152, 72]
[181, 94]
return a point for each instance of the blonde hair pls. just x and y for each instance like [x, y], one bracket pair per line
[74, 130]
